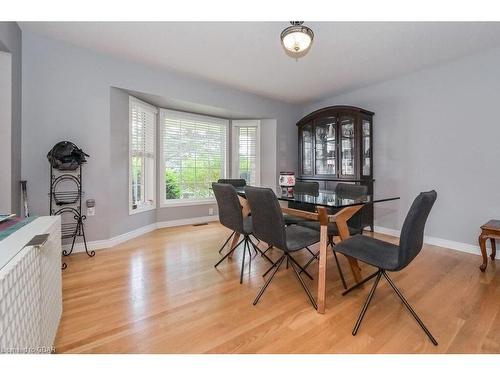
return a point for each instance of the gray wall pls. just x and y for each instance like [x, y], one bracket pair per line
[67, 95]
[437, 129]
[10, 41]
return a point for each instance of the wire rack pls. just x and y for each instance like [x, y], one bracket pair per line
[65, 197]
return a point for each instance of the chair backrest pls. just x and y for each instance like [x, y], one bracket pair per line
[351, 189]
[230, 214]
[236, 182]
[305, 187]
[267, 218]
[412, 233]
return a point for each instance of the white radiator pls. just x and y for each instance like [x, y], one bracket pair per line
[30, 288]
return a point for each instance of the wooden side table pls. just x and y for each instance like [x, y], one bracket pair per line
[489, 230]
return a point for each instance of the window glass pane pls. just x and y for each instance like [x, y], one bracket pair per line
[142, 153]
[247, 154]
[194, 154]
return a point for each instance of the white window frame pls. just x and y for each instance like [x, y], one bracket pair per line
[235, 124]
[161, 181]
[135, 101]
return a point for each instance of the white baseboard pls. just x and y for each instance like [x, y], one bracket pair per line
[436, 241]
[105, 244]
[190, 221]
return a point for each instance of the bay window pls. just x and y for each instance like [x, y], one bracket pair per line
[193, 151]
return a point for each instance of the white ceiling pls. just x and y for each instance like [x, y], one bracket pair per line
[248, 55]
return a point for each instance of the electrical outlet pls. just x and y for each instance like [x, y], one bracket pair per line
[210, 211]
[90, 211]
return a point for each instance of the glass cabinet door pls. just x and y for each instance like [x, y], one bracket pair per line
[307, 149]
[325, 149]
[347, 145]
[366, 156]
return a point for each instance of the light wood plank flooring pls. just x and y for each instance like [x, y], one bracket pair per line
[159, 293]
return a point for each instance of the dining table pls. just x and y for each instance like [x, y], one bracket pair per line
[326, 207]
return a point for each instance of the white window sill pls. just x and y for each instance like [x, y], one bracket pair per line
[141, 209]
[187, 202]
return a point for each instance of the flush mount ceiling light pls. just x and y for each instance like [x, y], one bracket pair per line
[297, 39]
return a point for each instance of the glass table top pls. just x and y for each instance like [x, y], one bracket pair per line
[330, 198]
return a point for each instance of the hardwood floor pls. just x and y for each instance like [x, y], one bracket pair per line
[159, 293]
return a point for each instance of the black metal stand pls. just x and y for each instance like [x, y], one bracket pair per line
[378, 275]
[66, 192]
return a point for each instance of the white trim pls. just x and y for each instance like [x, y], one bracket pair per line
[133, 100]
[436, 241]
[114, 241]
[186, 202]
[234, 147]
[190, 221]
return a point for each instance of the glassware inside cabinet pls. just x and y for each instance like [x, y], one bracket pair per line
[347, 146]
[307, 149]
[325, 137]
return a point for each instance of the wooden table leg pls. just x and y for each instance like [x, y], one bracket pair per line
[340, 219]
[493, 248]
[482, 245]
[323, 243]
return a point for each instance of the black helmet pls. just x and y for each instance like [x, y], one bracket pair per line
[66, 156]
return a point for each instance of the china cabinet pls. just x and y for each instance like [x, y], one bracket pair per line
[335, 145]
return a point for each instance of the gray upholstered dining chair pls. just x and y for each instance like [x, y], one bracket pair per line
[269, 226]
[389, 257]
[237, 183]
[354, 223]
[231, 217]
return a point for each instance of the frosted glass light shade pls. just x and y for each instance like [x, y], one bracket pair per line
[297, 39]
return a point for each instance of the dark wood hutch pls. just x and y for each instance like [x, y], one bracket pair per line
[336, 145]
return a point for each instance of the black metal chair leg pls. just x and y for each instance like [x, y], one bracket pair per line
[249, 258]
[269, 248]
[313, 302]
[302, 269]
[269, 269]
[243, 261]
[229, 253]
[367, 302]
[340, 269]
[269, 280]
[258, 241]
[309, 262]
[315, 256]
[286, 262]
[225, 243]
[360, 283]
[400, 295]
[256, 248]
